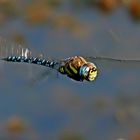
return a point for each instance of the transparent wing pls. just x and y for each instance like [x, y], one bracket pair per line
[109, 62]
[112, 60]
[40, 77]
[9, 48]
[104, 63]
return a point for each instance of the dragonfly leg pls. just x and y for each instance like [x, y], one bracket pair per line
[61, 70]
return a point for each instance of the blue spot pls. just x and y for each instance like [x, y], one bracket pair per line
[44, 62]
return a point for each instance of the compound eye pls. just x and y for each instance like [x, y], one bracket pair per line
[93, 69]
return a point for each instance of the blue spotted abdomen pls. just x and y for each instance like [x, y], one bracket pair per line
[31, 60]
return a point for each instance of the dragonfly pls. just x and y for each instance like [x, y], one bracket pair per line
[78, 68]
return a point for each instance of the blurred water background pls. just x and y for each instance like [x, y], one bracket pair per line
[54, 107]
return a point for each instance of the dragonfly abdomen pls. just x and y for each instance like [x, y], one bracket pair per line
[31, 60]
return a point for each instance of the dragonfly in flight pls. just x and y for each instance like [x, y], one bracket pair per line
[78, 68]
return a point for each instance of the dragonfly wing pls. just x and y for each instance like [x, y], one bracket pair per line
[41, 76]
[112, 62]
[45, 74]
[108, 59]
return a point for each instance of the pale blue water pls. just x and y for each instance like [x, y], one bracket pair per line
[55, 104]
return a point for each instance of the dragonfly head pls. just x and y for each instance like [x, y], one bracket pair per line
[88, 71]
